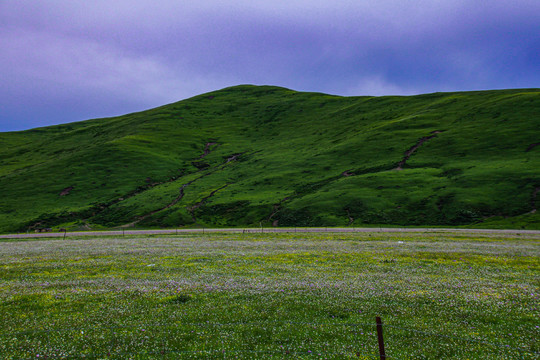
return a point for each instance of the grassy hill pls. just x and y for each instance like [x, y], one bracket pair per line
[250, 154]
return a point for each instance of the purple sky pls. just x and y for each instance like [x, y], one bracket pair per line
[67, 60]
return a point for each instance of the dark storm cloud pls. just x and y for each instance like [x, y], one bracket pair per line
[72, 60]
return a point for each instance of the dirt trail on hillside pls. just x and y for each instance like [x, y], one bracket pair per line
[174, 202]
[207, 149]
[66, 191]
[234, 157]
[351, 219]
[190, 209]
[150, 184]
[102, 207]
[275, 210]
[182, 192]
[413, 148]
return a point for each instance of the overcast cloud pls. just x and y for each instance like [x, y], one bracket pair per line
[64, 61]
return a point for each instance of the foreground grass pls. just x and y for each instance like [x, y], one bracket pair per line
[454, 296]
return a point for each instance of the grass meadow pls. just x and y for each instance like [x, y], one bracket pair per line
[271, 296]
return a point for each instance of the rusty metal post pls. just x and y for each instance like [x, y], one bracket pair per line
[380, 338]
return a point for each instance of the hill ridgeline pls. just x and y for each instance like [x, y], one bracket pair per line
[262, 155]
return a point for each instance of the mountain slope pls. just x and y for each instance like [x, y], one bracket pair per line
[250, 154]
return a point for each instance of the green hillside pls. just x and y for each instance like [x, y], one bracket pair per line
[250, 154]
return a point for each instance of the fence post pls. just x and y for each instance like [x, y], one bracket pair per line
[380, 338]
[65, 231]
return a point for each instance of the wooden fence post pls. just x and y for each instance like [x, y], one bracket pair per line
[380, 338]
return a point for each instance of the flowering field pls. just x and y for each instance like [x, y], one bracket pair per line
[271, 296]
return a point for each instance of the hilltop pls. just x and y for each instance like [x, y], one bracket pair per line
[248, 155]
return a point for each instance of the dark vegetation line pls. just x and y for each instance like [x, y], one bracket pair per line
[413, 148]
[174, 202]
[140, 190]
[532, 146]
[299, 192]
[96, 210]
[200, 203]
[182, 192]
[102, 207]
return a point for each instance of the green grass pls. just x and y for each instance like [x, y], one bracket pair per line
[292, 150]
[440, 295]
